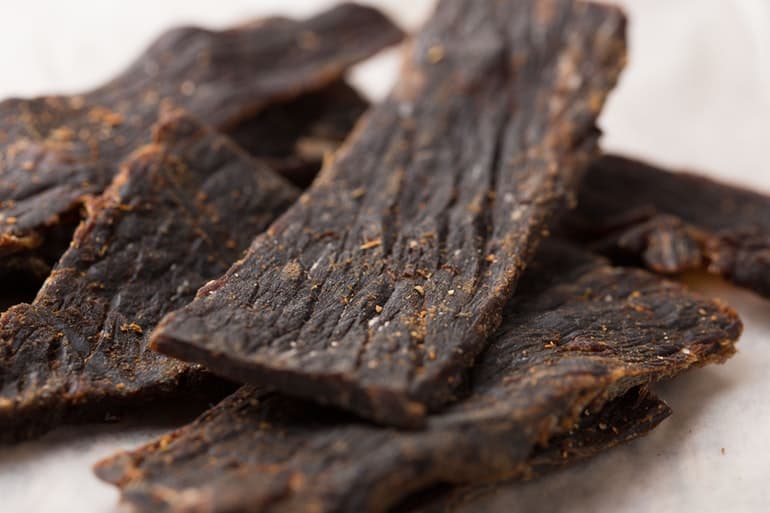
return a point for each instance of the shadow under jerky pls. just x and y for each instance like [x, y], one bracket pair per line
[382, 284]
[579, 333]
[178, 214]
[675, 222]
[18, 287]
[294, 137]
[57, 151]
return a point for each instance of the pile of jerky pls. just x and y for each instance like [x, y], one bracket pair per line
[457, 298]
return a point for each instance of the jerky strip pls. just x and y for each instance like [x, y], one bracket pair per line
[675, 222]
[622, 420]
[180, 213]
[379, 288]
[56, 151]
[577, 334]
[626, 418]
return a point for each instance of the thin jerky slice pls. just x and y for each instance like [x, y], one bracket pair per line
[55, 151]
[178, 214]
[675, 222]
[379, 288]
[626, 418]
[622, 420]
[294, 137]
[577, 334]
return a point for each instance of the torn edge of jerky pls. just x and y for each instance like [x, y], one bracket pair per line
[624, 419]
[377, 290]
[179, 213]
[674, 222]
[58, 151]
[579, 333]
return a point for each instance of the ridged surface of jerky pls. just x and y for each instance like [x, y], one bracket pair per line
[622, 420]
[379, 288]
[577, 334]
[55, 151]
[293, 137]
[178, 214]
[675, 222]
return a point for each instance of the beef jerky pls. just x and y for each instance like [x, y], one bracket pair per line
[675, 222]
[383, 283]
[578, 334]
[178, 214]
[293, 137]
[290, 137]
[626, 418]
[56, 151]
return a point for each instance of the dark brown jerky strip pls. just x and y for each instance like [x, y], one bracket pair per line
[379, 288]
[675, 222]
[626, 418]
[178, 214]
[293, 137]
[577, 334]
[56, 151]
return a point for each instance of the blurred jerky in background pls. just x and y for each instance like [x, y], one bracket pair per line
[293, 137]
[675, 222]
[580, 338]
[56, 151]
[178, 214]
[382, 284]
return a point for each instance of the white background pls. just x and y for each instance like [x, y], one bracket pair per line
[696, 94]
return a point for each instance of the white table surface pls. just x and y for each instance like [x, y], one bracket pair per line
[696, 94]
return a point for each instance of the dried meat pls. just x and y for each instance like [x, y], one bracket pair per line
[578, 334]
[626, 418]
[56, 151]
[178, 214]
[379, 288]
[675, 222]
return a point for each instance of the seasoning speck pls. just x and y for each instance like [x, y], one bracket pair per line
[436, 54]
[370, 244]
